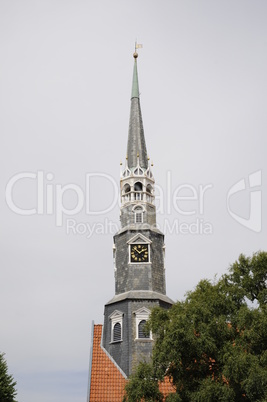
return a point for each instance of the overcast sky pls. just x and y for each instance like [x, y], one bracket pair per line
[65, 76]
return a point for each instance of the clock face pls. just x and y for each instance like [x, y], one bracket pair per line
[139, 253]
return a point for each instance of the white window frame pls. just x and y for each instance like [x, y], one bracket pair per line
[116, 317]
[142, 314]
[138, 210]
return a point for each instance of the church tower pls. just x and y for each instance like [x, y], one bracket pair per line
[138, 252]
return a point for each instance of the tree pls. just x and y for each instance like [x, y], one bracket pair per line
[143, 386]
[213, 344]
[7, 383]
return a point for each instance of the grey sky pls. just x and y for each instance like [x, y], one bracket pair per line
[65, 85]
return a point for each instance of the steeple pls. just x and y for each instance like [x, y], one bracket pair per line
[137, 181]
[136, 139]
[138, 253]
[135, 85]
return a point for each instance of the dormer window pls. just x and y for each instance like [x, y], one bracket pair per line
[117, 332]
[142, 334]
[141, 317]
[116, 326]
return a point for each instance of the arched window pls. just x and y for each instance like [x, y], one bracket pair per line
[138, 188]
[138, 215]
[141, 317]
[126, 188]
[126, 192]
[116, 319]
[117, 332]
[141, 333]
[149, 189]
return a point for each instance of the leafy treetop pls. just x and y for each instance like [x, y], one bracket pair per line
[213, 344]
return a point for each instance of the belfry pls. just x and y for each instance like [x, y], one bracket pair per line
[139, 270]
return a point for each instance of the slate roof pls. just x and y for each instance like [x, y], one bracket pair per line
[107, 381]
[140, 294]
[136, 138]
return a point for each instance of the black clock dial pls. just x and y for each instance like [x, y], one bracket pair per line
[139, 253]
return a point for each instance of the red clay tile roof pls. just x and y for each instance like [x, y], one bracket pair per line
[166, 387]
[107, 382]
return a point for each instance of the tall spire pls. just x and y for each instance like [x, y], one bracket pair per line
[136, 140]
[135, 86]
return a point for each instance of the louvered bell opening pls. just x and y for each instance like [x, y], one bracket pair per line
[141, 333]
[117, 332]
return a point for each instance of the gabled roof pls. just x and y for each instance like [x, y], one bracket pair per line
[107, 381]
[139, 238]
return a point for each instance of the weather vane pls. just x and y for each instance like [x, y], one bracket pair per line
[137, 46]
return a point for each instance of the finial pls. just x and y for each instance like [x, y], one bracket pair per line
[137, 155]
[148, 158]
[126, 157]
[152, 164]
[120, 162]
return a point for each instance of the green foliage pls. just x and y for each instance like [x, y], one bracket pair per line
[7, 383]
[143, 386]
[248, 276]
[213, 344]
[173, 398]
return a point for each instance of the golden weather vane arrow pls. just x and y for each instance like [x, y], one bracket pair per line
[137, 46]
